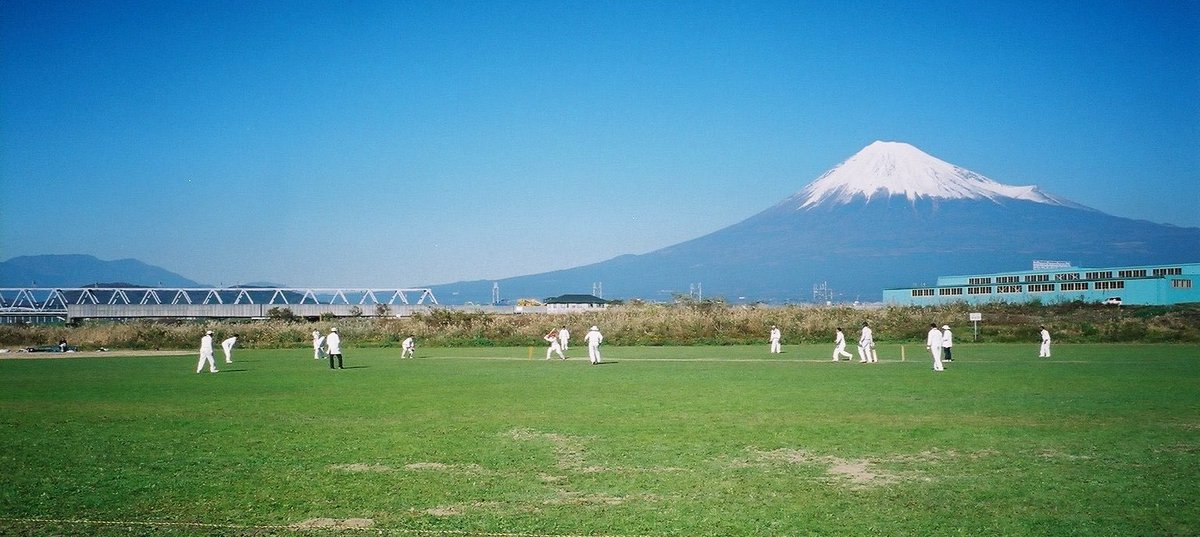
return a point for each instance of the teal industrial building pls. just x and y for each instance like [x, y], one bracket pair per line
[1132, 285]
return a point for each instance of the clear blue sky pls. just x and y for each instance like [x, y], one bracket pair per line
[401, 144]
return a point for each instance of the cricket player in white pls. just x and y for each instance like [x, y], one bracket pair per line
[593, 339]
[947, 343]
[564, 337]
[1045, 351]
[866, 346]
[933, 342]
[318, 342]
[227, 346]
[206, 354]
[409, 346]
[333, 347]
[552, 338]
[775, 335]
[840, 350]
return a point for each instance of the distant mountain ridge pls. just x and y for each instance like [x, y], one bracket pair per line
[889, 216]
[77, 270]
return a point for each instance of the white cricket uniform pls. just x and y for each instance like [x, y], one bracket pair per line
[206, 355]
[554, 346]
[947, 343]
[408, 346]
[593, 339]
[866, 346]
[840, 349]
[775, 335]
[934, 343]
[333, 343]
[564, 337]
[227, 346]
[1045, 351]
[318, 342]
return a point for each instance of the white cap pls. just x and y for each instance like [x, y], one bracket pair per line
[945, 327]
[333, 329]
[208, 333]
[594, 328]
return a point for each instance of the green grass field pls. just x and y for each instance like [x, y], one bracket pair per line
[660, 441]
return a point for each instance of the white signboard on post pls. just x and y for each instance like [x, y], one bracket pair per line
[975, 317]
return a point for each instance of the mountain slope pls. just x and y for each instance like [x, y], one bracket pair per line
[80, 270]
[890, 216]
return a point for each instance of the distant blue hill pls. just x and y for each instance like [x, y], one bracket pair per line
[890, 216]
[84, 270]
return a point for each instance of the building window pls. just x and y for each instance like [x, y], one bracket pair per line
[1007, 279]
[1132, 273]
[1037, 278]
[978, 281]
[1079, 286]
[1181, 284]
[1041, 287]
[1170, 271]
[1066, 276]
[1008, 289]
[922, 292]
[1100, 275]
[979, 290]
[950, 291]
[1116, 284]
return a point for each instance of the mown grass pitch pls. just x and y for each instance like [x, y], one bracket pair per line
[670, 441]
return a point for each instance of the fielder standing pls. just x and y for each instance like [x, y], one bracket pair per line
[1045, 350]
[564, 337]
[947, 342]
[333, 347]
[775, 335]
[206, 354]
[318, 342]
[593, 339]
[933, 342]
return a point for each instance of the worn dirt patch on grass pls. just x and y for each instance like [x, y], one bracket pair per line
[333, 523]
[360, 467]
[854, 473]
[570, 452]
[443, 467]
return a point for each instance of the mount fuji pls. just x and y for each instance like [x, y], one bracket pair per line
[889, 216]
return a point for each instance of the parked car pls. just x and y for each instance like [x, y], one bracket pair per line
[1113, 301]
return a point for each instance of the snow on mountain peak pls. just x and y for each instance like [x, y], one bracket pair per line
[896, 168]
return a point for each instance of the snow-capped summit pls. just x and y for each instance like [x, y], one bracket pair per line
[898, 169]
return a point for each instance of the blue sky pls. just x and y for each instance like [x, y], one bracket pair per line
[403, 144]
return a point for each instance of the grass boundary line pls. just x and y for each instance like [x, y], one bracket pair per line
[295, 529]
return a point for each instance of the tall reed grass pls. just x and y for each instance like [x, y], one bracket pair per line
[691, 323]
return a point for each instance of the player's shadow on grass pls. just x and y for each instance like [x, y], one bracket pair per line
[356, 367]
[607, 363]
[227, 370]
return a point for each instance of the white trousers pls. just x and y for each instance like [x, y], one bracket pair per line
[555, 348]
[864, 353]
[594, 353]
[228, 354]
[840, 351]
[206, 357]
[1045, 350]
[775, 348]
[937, 358]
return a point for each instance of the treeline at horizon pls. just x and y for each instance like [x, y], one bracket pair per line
[685, 322]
